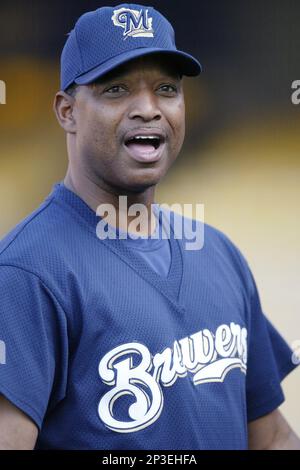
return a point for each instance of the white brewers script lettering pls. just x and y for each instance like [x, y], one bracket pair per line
[209, 357]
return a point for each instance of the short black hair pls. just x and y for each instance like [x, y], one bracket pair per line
[72, 90]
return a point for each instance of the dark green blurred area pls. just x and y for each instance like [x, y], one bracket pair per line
[241, 157]
[249, 49]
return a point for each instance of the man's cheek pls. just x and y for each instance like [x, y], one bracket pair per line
[97, 134]
[178, 138]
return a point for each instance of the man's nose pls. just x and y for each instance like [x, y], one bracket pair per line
[144, 106]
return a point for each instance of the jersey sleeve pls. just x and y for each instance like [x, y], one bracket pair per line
[269, 356]
[33, 362]
[269, 361]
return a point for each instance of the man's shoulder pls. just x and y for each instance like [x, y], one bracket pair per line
[35, 239]
[187, 228]
[212, 242]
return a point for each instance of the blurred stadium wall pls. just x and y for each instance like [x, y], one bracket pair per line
[241, 157]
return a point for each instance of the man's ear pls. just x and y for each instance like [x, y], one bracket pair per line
[63, 107]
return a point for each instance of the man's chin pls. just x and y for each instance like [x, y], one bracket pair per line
[140, 186]
[139, 181]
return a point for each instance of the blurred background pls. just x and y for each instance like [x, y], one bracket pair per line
[241, 157]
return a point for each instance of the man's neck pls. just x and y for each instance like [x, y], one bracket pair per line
[98, 196]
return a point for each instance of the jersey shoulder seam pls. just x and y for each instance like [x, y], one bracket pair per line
[31, 218]
[21, 268]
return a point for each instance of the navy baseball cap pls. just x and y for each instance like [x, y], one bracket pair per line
[110, 36]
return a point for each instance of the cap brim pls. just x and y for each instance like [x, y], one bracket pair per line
[187, 64]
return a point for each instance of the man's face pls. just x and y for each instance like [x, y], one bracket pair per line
[130, 124]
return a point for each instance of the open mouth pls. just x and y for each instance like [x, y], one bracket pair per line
[145, 148]
[145, 141]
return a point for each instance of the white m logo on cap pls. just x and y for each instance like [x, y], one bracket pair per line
[134, 22]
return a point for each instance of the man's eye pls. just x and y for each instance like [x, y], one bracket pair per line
[115, 89]
[169, 89]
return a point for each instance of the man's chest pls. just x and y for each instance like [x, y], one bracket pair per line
[140, 349]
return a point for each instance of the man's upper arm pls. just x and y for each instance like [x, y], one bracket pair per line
[17, 430]
[272, 432]
[33, 328]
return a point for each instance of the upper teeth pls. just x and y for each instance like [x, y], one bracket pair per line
[145, 137]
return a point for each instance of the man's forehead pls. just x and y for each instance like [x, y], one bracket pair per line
[152, 63]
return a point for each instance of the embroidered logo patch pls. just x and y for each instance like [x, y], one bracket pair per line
[136, 23]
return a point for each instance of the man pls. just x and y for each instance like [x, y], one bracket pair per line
[130, 342]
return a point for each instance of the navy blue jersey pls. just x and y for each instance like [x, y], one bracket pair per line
[104, 353]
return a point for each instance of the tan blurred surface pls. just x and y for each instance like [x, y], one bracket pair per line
[248, 178]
